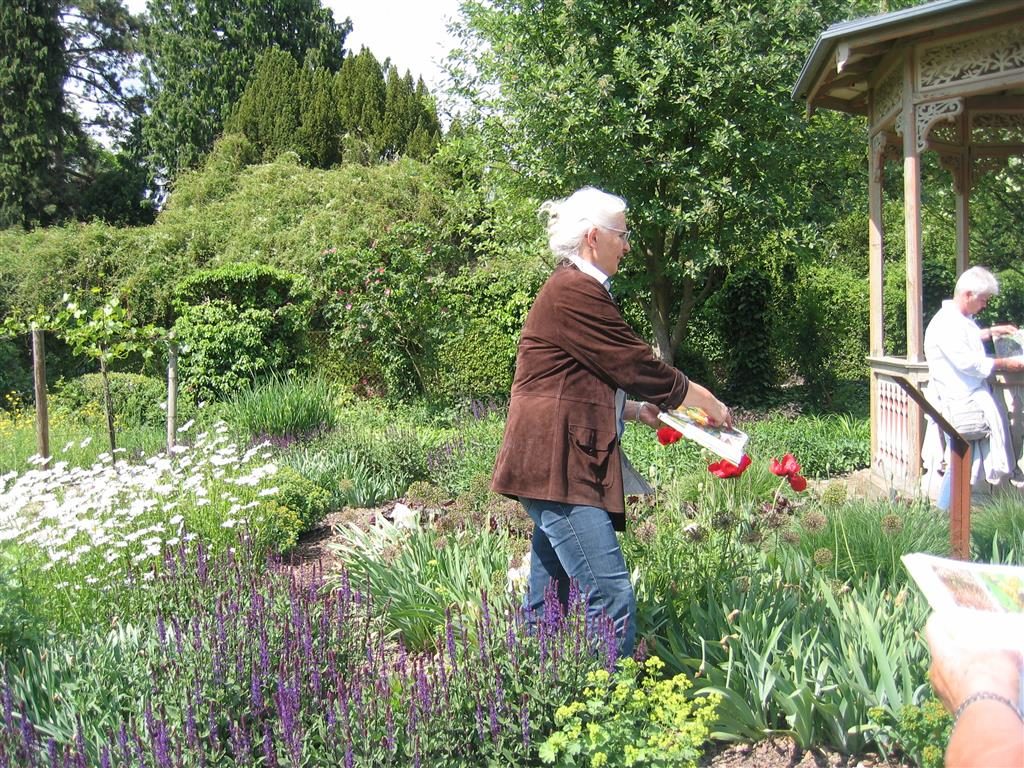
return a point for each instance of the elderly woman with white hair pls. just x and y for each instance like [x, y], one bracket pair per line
[958, 372]
[561, 456]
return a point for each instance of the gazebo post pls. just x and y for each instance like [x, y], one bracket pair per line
[962, 187]
[912, 234]
[876, 267]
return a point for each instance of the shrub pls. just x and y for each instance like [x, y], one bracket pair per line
[238, 323]
[137, 400]
[631, 717]
[826, 445]
[307, 499]
[997, 529]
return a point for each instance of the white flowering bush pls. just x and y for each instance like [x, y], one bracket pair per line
[75, 532]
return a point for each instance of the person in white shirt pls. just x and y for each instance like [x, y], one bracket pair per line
[958, 371]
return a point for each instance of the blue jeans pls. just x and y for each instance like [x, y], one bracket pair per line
[578, 542]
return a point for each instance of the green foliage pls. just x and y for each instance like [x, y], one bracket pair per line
[267, 114]
[826, 446]
[138, 400]
[682, 109]
[237, 323]
[826, 325]
[200, 56]
[416, 575]
[917, 732]
[282, 407]
[858, 538]
[303, 496]
[631, 716]
[15, 371]
[997, 529]
[32, 73]
[748, 334]
[789, 652]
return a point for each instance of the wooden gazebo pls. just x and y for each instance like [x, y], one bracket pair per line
[945, 77]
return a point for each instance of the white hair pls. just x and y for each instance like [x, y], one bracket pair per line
[978, 281]
[570, 218]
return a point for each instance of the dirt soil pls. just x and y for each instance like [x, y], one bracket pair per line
[312, 556]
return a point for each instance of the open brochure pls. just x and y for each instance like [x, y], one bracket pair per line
[1011, 345]
[693, 423]
[957, 584]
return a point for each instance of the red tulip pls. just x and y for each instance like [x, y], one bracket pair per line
[726, 469]
[785, 468]
[797, 482]
[668, 435]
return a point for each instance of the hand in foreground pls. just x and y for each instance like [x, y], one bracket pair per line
[961, 667]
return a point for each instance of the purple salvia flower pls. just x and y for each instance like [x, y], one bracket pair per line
[268, 745]
[256, 693]
[201, 571]
[122, 742]
[105, 757]
[191, 730]
[349, 761]
[8, 703]
[28, 737]
[389, 729]
[51, 751]
[161, 629]
[480, 724]
[493, 712]
[240, 744]
[176, 626]
[332, 721]
[214, 737]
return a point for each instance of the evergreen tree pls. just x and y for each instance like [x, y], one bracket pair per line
[268, 112]
[200, 55]
[360, 92]
[320, 130]
[400, 115]
[100, 41]
[32, 122]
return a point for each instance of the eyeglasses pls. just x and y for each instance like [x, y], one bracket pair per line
[623, 233]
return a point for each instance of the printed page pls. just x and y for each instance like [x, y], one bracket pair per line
[730, 444]
[948, 583]
[988, 598]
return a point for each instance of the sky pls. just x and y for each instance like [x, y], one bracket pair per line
[411, 32]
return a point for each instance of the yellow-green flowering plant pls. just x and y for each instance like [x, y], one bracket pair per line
[631, 718]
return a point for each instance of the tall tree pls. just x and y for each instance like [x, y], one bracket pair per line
[32, 120]
[681, 107]
[200, 55]
[100, 40]
[268, 111]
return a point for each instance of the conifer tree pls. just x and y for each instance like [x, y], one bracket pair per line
[360, 89]
[320, 129]
[268, 111]
[32, 124]
[201, 53]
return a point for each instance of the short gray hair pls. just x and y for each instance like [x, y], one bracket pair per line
[978, 281]
[570, 218]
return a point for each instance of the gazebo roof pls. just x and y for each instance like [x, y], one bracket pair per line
[836, 75]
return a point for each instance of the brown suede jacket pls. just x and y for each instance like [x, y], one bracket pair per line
[575, 350]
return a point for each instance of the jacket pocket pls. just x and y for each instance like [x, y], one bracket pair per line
[590, 451]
